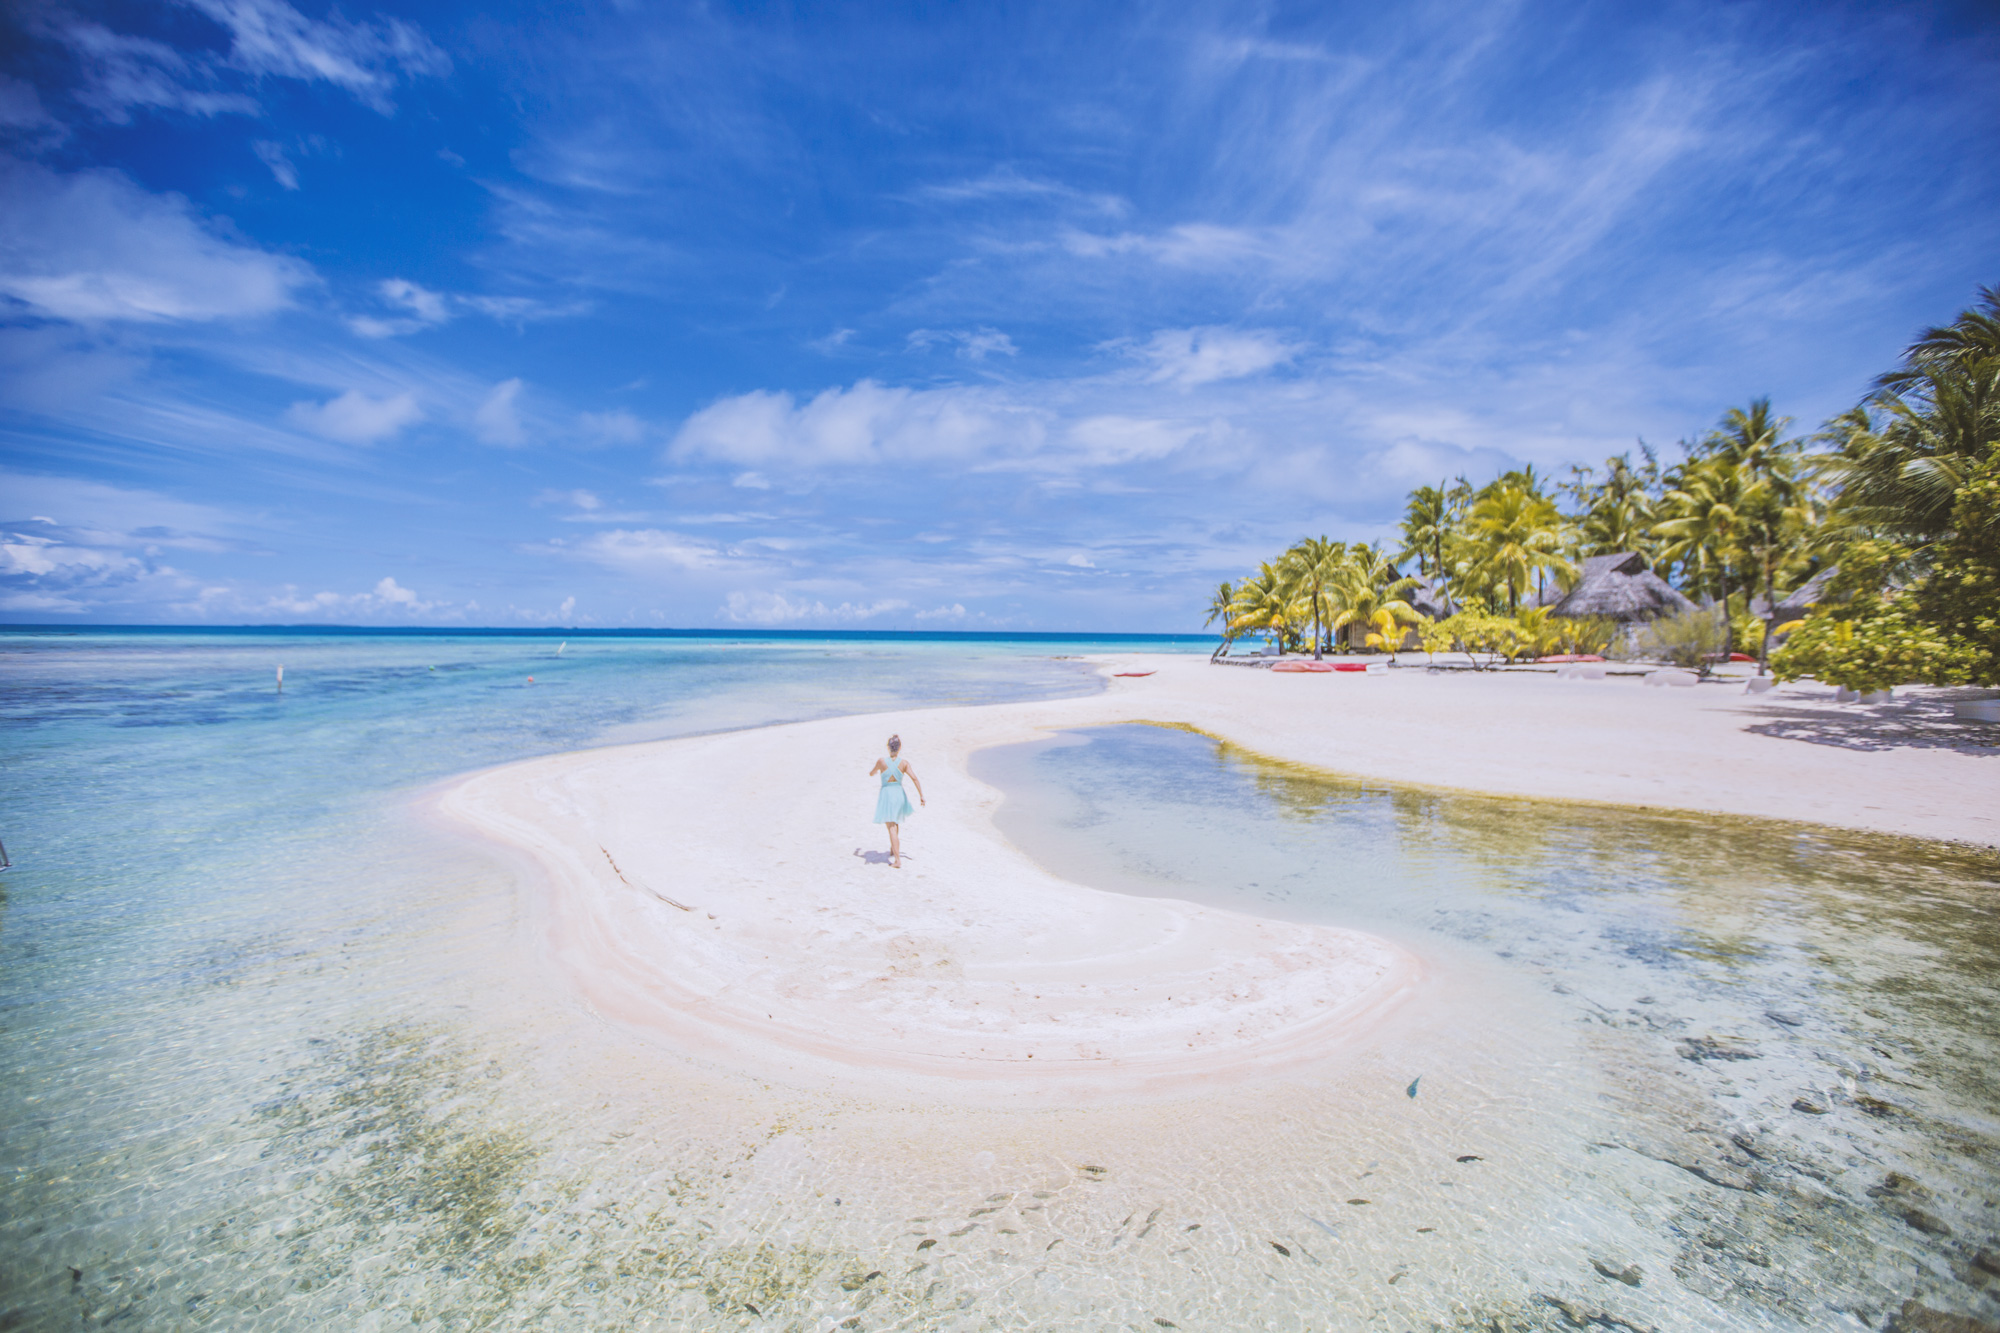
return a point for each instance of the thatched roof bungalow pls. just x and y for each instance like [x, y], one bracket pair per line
[1428, 598]
[1795, 604]
[1621, 587]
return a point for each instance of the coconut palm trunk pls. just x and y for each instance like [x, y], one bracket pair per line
[1770, 616]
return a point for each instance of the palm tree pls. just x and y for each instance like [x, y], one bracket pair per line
[1267, 601]
[1369, 596]
[1427, 522]
[1778, 511]
[1898, 476]
[1952, 349]
[1379, 622]
[1516, 532]
[1703, 516]
[1219, 603]
[1773, 508]
[1617, 515]
[1313, 565]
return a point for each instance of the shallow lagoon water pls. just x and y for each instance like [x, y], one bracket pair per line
[263, 1071]
[227, 952]
[1800, 1023]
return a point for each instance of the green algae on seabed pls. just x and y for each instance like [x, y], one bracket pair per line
[421, 1178]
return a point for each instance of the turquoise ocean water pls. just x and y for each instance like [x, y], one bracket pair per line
[199, 856]
[252, 1080]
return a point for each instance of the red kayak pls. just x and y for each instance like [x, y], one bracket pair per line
[1572, 657]
[1131, 673]
[1305, 666]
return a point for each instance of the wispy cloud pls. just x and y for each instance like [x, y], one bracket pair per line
[267, 39]
[411, 308]
[498, 419]
[273, 155]
[1060, 344]
[1005, 183]
[866, 424]
[93, 246]
[775, 608]
[1187, 357]
[969, 344]
[355, 418]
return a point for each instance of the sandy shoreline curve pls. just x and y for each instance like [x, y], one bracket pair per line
[728, 896]
[728, 893]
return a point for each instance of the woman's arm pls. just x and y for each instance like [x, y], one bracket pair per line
[911, 774]
[879, 766]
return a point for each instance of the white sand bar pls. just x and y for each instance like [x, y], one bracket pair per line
[729, 895]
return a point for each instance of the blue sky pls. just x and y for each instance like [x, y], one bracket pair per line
[915, 316]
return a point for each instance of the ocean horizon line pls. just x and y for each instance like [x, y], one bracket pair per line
[630, 632]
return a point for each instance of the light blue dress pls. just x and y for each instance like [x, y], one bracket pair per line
[893, 805]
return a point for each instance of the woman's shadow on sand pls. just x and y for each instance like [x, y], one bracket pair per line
[879, 858]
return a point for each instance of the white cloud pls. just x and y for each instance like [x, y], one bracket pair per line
[414, 308]
[85, 545]
[93, 246]
[267, 39]
[270, 38]
[389, 593]
[1110, 440]
[498, 420]
[868, 423]
[1197, 245]
[121, 72]
[774, 608]
[1006, 183]
[72, 502]
[651, 551]
[273, 156]
[387, 598]
[971, 344]
[1187, 357]
[355, 418]
[30, 554]
[422, 303]
[417, 308]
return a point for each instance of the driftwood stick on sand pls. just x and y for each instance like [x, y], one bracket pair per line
[621, 876]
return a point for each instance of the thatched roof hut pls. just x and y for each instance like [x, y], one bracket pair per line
[1795, 604]
[1621, 587]
[1428, 598]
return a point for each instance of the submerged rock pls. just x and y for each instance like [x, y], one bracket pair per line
[1631, 1274]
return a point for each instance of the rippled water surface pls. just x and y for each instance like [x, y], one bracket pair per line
[1801, 1025]
[227, 954]
[268, 1067]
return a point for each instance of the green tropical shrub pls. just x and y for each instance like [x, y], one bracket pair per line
[1878, 647]
[1691, 639]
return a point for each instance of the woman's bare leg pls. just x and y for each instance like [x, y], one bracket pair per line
[895, 849]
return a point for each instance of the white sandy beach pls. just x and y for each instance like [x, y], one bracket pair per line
[727, 894]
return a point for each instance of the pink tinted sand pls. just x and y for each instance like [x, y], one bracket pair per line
[728, 895]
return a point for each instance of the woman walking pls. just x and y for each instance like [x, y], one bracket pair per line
[893, 806]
